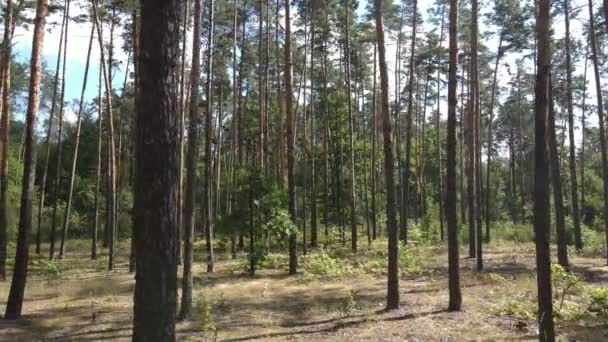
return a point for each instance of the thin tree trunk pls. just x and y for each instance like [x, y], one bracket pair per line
[476, 146]
[583, 128]
[111, 157]
[392, 298]
[293, 256]
[47, 144]
[17, 289]
[488, 193]
[182, 132]
[193, 141]
[558, 201]
[313, 187]
[374, 151]
[455, 301]
[5, 79]
[59, 169]
[578, 242]
[600, 113]
[438, 130]
[208, 137]
[352, 195]
[98, 170]
[408, 143]
[68, 208]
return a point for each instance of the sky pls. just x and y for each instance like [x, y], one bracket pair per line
[78, 40]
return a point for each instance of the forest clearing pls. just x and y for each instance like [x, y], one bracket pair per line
[336, 297]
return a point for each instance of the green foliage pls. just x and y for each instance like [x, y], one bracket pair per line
[599, 301]
[321, 263]
[348, 304]
[204, 316]
[408, 261]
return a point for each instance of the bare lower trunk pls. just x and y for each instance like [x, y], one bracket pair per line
[17, 289]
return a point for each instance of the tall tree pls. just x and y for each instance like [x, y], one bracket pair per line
[156, 184]
[17, 290]
[68, 208]
[293, 257]
[392, 297]
[208, 142]
[600, 113]
[475, 147]
[5, 84]
[455, 301]
[578, 242]
[194, 120]
[558, 201]
[111, 177]
[353, 176]
[542, 221]
[408, 132]
[48, 141]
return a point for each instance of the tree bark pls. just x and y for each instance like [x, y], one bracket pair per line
[193, 142]
[5, 79]
[208, 142]
[408, 143]
[455, 301]
[600, 113]
[558, 201]
[392, 298]
[542, 221]
[578, 242]
[17, 289]
[156, 184]
[293, 257]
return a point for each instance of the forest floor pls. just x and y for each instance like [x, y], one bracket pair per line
[340, 298]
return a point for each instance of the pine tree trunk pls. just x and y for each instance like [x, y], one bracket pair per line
[156, 184]
[111, 195]
[542, 221]
[98, 170]
[455, 301]
[353, 176]
[293, 257]
[68, 208]
[578, 242]
[59, 168]
[476, 145]
[408, 129]
[313, 184]
[392, 298]
[600, 113]
[5, 84]
[208, 137]
[488, 193]
[48, 142]
[374, 150]
[558, 201]
[17, 289]
[438, 132]
[193, 142]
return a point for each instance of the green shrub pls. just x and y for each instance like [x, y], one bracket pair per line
[408, 261]
[321, 263]
[204, 316]
[599, 301]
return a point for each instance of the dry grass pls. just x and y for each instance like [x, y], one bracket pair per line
[86, 303]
